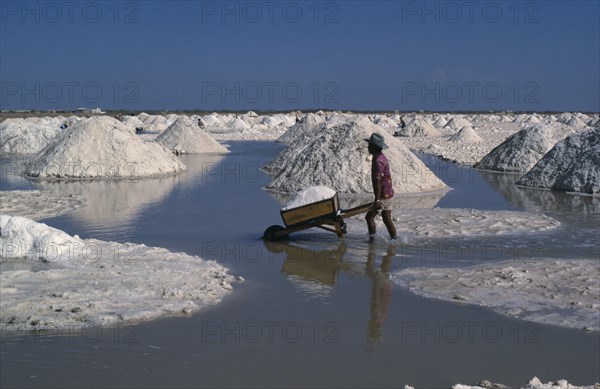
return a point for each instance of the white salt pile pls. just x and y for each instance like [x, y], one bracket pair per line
[101, 147]
[95, 283]
[310, 195]
[184, 136]
[156, 123]
[132, 122]
[28, 136]
[466, 135]
[534, 383]
[449, 222]
[572, 165]
[456, 123]
[522, 150]
[337, 157]
[305, 125]
[36, 204]
[419, 126]
[557, 292]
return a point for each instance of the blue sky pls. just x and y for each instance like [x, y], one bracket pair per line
[283, 55]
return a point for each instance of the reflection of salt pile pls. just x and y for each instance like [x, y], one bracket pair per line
[101, 147]
[419, 126]
[572, 165]
[96, 283]
[28, 136]
[337, 157]
[466, 135]
[541, 291]
[310, 195]
[184, 136]
[36, 204]
[522, 150]
[112, 206]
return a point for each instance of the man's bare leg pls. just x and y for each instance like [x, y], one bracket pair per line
[389, 224]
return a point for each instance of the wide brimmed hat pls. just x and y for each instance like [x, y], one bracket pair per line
[378, 140]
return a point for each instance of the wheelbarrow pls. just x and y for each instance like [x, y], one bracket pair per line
[325, 214]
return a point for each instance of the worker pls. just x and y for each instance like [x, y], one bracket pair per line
[382, 187]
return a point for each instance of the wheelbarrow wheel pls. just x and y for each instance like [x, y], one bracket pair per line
[271, 233]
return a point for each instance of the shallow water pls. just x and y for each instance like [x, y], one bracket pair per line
[313, 311]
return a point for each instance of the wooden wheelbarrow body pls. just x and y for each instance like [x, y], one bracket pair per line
[325, 214]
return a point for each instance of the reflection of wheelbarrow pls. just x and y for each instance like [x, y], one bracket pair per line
[324, 214]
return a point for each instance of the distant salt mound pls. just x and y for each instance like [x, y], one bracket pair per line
[419, 127]
[573, 164]
[440, 122]
[310, 195]
[466, 135]
[337, 157]
[156, 123]
[101, 147]
[301, 128]
[132, 122]
[522, 150]
[28, 136]
[456, 123]
[184, 136]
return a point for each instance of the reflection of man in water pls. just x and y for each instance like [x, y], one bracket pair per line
[381, 292]
[382, 187]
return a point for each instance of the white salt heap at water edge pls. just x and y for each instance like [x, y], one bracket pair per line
[524, 149]
[549, 291]
[534, 383]
[449, 222]
[310, 195]
[94, 283]
[184, 136]
[572, 165]
[101, 147]
[337, 157]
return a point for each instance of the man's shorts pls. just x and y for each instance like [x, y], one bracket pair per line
[387, 204]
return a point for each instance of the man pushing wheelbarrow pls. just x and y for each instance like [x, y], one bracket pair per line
[326, 213]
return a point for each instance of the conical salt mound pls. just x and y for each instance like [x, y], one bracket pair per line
[102, 147]
[418, 127]
[338, 158]
[466, 135]
[456, 123]
[27, 136]
[296, 131]
[573, 164]
[522, 150]
[184, 136]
